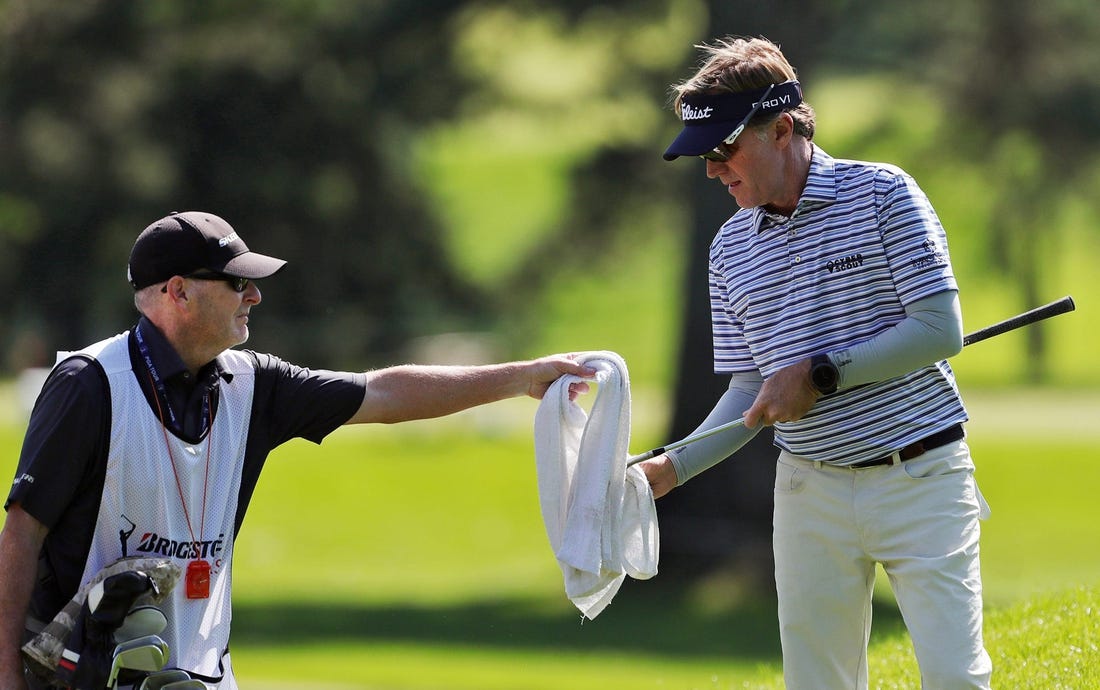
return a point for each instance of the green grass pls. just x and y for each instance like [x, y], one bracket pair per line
[1049, 642]
[1046, 642]
[413, 557]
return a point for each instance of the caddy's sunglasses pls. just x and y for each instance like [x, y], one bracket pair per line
[237, 283]
[720, 154]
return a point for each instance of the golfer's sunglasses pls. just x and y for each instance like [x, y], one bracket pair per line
[238, 284]
[721, 154]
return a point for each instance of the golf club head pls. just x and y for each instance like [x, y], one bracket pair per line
[145, 654]
[141, 621]
[173, 678]
[190, 684]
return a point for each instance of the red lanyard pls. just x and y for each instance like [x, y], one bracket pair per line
[198, 570]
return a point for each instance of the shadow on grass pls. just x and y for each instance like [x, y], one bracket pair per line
[642, 619]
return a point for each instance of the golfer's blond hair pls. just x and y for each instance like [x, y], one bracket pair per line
[734, 64]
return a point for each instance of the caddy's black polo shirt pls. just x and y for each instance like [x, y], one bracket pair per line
[65, 449]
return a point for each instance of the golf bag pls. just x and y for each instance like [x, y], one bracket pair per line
[77, 648]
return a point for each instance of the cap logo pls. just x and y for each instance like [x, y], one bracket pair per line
[775, 102]
[228, 239]
[689, 113]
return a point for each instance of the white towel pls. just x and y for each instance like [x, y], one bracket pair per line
[599, 513]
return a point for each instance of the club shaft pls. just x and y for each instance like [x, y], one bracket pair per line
[635, 459]
[1046, 311]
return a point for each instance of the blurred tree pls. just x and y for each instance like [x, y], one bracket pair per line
[290, 119]
[564, 105]
[1024, 80]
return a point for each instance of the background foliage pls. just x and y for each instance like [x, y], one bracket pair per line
[492, 167]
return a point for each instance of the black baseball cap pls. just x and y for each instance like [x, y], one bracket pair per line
[711, 118]
[183, 243]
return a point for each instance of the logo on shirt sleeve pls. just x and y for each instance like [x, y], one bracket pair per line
[932, 256]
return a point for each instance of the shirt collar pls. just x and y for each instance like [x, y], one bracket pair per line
[820, 188]
[168, 362]
[821, 182]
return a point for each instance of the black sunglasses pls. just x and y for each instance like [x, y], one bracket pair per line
[720, 154]
[237, 283]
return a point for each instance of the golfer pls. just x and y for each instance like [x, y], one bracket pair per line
[834, 310]
[150, 443]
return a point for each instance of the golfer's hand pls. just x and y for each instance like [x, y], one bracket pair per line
[661, 474]
[786, 396]
[547, 370]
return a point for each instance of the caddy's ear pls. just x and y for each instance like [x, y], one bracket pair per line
[174, 288]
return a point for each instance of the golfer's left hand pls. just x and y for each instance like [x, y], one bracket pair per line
[786, 396]
[661, 474]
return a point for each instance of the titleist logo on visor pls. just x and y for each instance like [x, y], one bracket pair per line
[689, 113]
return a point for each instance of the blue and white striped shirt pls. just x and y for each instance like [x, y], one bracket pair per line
[863, 242]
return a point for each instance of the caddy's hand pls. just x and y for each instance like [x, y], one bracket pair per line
[546, 370]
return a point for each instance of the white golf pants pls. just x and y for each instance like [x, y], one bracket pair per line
[919, 519]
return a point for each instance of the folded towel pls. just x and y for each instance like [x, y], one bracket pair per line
[599, 513]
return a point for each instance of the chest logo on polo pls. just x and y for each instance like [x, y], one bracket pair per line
[846, 263]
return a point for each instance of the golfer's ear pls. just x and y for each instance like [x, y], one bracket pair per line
[783, 129]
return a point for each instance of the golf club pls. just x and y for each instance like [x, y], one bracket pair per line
[141, 622]
[1060, 306]
[147, 654]
[174, 679]
[1046, 311]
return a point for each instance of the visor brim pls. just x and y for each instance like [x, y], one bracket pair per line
[697, 140]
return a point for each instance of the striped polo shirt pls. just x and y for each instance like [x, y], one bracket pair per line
[863, 242]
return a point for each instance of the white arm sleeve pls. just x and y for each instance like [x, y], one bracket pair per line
[693, 458]
[930, 331]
